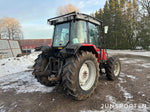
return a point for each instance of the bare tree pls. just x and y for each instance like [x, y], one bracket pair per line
[92, 14]
[66, 9]
[145, 5]
[10, 28]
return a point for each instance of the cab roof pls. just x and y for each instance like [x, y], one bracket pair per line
[73, 16]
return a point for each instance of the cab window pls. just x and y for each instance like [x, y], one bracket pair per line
[93, 34]
[78, 32]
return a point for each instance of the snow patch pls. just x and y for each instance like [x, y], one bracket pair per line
[138, 70]
[126, 94]
[145, 65]
[122, 59]
[2, 108]
[23, 82]
[133, 61]
[121, 80]
[17, 64]
[148, 76]
[129, 76]
[141, 93]
[111, 99]
[13, 106]
[129, 61]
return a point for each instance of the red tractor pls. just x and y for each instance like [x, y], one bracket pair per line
[75, 58]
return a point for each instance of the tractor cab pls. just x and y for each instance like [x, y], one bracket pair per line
[77, 29]
[75, 32]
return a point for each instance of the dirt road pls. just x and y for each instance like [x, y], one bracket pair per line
[131, 92]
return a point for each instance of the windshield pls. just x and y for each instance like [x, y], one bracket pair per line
[61, 34]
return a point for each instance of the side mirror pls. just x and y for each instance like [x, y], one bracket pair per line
[105, 29]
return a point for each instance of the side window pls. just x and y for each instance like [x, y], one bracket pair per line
[93, 35]
[78, 32]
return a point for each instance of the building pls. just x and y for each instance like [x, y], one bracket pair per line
[28, 44]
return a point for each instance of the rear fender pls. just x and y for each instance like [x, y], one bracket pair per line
[100, 54]
[70, 50]
[73, 49]
[90, 48]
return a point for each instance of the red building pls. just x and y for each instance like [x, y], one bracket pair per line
[29, 44]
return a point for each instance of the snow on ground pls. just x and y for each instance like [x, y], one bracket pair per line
[13, 75]
[122, 75]
[22, 82]
[139, 53]
[129, 76]
[126, 94]
[138, 62]
[145, 65]
[2, 108]
[138, 70]
[17, 64]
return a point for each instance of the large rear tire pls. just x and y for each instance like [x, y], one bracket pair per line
[80, 75]
[39, 66]
[113, 68]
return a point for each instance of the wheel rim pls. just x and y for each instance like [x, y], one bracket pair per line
[116, 69]
[87, 75]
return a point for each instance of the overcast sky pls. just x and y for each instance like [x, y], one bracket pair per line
[33, 14]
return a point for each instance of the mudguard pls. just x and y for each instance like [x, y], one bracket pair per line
[73, 49]
[70, 49]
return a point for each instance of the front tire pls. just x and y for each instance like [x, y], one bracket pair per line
[80, 75]
[113, 68]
